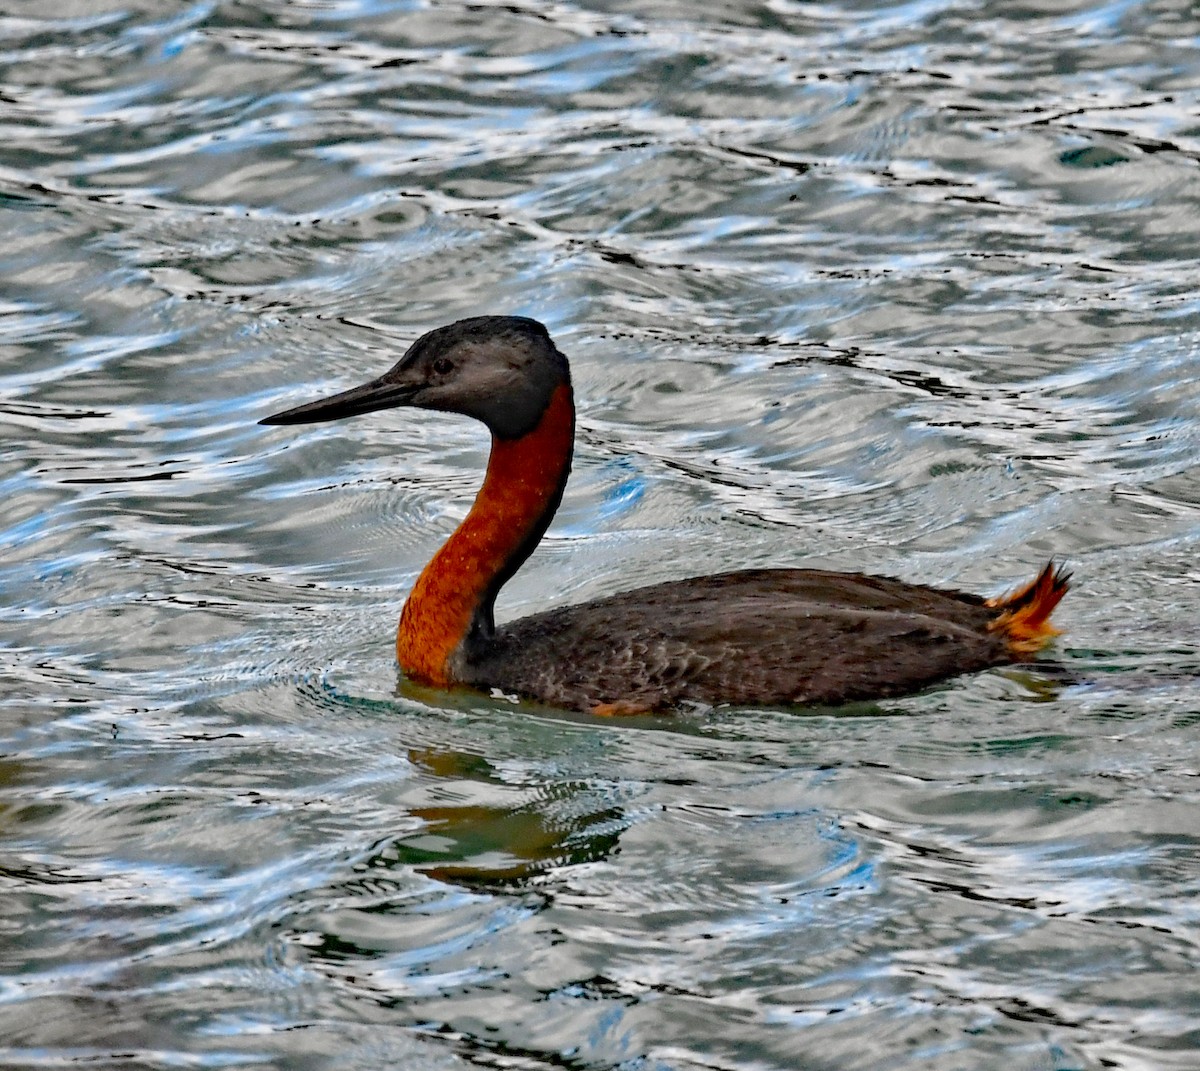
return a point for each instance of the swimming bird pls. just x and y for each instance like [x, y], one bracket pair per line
[751, 637]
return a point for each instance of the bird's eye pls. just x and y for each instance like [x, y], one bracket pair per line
[443, 365]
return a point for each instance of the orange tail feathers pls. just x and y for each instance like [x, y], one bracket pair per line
[1024, 614]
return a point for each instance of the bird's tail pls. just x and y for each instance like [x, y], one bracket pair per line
[1023, 616]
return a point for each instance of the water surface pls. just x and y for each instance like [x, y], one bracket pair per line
[904, 288]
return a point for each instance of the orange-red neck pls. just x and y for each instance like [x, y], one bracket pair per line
[452, 600]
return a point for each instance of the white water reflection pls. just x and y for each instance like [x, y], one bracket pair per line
[903, 288]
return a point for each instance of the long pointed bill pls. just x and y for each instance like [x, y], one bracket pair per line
[378, 394]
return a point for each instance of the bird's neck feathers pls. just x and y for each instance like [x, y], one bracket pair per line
[451, 604]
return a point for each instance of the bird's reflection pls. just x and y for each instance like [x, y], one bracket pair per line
[485, 842]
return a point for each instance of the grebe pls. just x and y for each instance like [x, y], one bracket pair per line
[752, 637]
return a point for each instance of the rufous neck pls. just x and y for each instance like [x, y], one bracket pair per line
[451, 602]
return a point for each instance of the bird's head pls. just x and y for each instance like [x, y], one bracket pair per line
[501, 370]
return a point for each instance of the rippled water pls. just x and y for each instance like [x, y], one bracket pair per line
[907, 288]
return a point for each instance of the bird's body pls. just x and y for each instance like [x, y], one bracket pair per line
[752, 637]
[761, 636]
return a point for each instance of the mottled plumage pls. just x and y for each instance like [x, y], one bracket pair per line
[752, 637]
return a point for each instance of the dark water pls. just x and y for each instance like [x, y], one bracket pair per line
[908, 288]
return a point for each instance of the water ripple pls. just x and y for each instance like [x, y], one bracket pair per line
[901, 287]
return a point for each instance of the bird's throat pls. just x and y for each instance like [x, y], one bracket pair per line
[453, 597]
